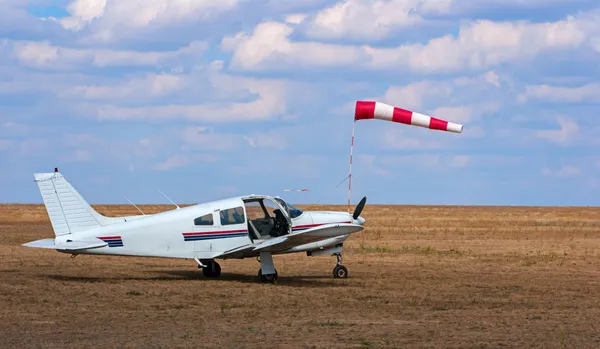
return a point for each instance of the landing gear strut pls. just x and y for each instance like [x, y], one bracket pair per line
[340, 271]
[212, 269]
[267, 267]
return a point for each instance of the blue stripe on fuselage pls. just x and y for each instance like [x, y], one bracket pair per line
[211, 237]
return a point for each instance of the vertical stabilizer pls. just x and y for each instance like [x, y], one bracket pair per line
[69, 212]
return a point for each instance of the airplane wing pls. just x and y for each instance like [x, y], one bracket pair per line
[67, 246]
[239, 252]
[322, 232]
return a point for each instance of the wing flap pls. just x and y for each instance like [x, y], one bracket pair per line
[322, 232]
[67, 246]
[240, 252]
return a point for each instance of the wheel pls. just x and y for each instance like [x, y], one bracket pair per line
[212, 270]
[269, 278]
[340, 272]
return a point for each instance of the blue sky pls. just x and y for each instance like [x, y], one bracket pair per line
[204, 100]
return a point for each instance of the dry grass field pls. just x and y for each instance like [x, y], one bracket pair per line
[420, 277]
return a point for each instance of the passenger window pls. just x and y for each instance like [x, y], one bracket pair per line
[204, 220]
[232, 216]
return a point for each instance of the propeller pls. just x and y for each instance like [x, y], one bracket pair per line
[359, 208]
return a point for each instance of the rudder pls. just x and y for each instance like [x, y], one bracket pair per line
[69, 213]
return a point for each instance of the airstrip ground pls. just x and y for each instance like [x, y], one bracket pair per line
[420, 277]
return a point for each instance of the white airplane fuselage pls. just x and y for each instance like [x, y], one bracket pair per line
[233, 228]
[172, 234]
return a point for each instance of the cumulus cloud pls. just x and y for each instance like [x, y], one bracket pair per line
[371, 19]
[479, 45]
[107, 18]
[136, 89]
[558, 94]
[563, 172]
[149, 86]
[411, 96]
[183, 160]
[205, 138]
[268, 101]
[43, 54]
[569, 129]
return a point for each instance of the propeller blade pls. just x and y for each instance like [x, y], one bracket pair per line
[359, 208]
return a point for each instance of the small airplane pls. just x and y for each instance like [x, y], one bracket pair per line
[235, 228]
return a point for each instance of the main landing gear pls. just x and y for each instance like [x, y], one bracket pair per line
[267, 278]
[267, 272]
[340, 271]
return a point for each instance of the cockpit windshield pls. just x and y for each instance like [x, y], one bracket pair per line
[293, 210]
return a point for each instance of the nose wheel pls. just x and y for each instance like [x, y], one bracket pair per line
[340, 271]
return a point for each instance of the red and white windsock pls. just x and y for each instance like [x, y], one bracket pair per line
[376, 110]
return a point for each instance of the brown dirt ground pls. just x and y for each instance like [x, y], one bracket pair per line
[420, 277]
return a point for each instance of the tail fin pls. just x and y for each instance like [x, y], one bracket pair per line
[69, 213]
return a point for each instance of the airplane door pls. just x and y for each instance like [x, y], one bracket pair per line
[230, 230]
[204, 228]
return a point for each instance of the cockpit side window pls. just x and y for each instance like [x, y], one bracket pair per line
[207, 219]
[232, 216]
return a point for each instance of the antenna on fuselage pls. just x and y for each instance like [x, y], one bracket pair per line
[169, 199]
[134, 205]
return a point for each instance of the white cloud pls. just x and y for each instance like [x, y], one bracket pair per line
[493, 78]
[107, 19]
[82, 13]
[479, 45]
[371, 19]
[10, 128]
[563, 172]
[411, 96]
[586, 93]
[269, 46]
[150, 86]
[460, 114]
[225, 98]
[42, 54]
[269, 103]
[367, 163]
[569, 129]
[80, 155]
[459, 161]
[295, 18]
[396, 138]
[482, 44]
[270, 139]
[205, 138]
[178, 161]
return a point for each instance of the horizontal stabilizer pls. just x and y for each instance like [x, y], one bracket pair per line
[319, 233]
[70, 245]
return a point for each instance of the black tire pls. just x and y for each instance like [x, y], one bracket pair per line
[269, 278]
[340, 272]
[212, 270]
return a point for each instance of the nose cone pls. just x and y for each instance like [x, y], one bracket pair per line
[360, 220]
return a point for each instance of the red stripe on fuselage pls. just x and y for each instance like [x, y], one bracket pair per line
[216, 232]
[108, 237]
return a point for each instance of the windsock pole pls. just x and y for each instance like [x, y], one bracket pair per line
[350, 175]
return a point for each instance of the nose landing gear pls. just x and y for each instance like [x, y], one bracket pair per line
[340, 271]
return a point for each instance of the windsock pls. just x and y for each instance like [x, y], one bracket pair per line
[376, 110]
